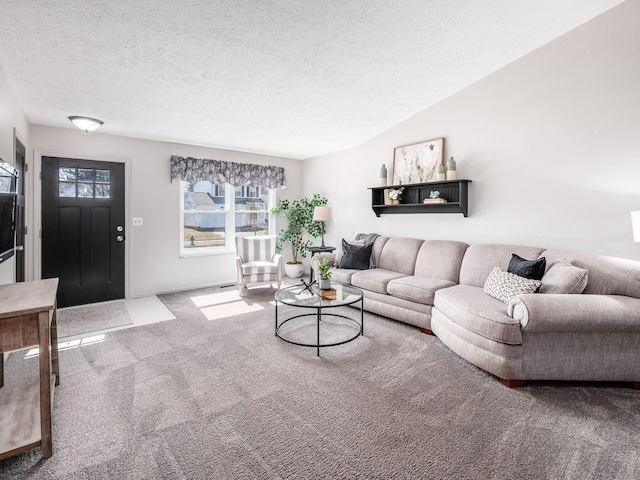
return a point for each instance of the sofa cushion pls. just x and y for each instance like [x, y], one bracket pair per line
[533, 269]
[375, 279]
[563, 277]
[440, 259]
[504, 285]
[355, 257]
[607, 275]
[342, 275]
[399, 255]
[417, 289]
[378, 246]
[474, 310]
[480, 259]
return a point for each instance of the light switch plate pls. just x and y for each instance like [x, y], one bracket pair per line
[137, 221]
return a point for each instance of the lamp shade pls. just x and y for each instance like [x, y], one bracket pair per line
[87, 124]
[322, 214]
[635, 224]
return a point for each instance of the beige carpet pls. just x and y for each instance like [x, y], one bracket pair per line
[91, 318]
[107, 316]
[209, 396]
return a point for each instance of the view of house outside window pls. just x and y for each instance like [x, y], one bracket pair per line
[214, 214]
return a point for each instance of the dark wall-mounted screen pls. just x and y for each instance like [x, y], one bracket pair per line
[7, 226]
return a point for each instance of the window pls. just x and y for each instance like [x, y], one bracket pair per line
[214, 214]
[84, 182]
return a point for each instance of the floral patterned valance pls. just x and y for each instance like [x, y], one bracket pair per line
[194, 170]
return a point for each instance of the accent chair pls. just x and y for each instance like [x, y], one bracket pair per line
[257, 260]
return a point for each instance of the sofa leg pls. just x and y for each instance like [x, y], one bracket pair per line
[512, 383]
[426, 330]
[636, 385]
[240, 287]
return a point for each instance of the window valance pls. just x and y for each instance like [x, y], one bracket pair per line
[194, 170]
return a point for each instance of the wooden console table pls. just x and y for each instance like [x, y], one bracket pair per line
[28, 318]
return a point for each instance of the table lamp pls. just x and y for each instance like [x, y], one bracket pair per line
[322, 214]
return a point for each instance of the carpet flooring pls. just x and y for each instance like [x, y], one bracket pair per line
[210, 396]
[90, 318]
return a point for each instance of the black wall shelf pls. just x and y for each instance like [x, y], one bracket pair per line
[454, 191]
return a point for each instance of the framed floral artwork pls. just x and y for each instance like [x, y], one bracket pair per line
[417, 163]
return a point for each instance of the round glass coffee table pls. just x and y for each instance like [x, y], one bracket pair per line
[300, 297]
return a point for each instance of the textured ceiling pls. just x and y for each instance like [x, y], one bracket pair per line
[295, 78]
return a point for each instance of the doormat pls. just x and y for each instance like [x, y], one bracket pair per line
[91, 318]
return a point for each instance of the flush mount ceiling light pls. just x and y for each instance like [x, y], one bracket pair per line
[86, 123]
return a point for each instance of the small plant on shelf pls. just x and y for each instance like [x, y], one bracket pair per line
[396, 193]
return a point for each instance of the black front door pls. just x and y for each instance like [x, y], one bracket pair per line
[83, 231]
[20, 209]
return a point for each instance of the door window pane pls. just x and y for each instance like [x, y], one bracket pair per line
[103, 176]
[66, 173]
[85, 190]
[85, 174]
[103, 191]
[67, 189]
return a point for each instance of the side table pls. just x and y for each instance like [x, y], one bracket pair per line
[27, 318]
[315, 250]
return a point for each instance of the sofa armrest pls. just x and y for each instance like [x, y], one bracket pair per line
[317, 258]
[538, 312]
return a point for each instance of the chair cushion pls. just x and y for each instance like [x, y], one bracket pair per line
[259, 267]
[375, 279]
[476, 311]
[417, 289]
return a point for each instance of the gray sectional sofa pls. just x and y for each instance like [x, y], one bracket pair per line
[438, 286]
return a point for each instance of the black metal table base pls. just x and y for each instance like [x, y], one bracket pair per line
[319, 315]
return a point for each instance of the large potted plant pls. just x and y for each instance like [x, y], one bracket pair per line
[299, 215]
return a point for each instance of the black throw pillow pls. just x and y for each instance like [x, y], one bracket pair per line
[355, 257]
[533, 269]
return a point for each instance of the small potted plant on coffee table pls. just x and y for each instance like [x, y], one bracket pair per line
[324, 280]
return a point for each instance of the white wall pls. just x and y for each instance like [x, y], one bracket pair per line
[153, 249]
[11, 117]
[551, 143]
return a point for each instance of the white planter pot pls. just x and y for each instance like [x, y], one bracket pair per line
[294, 270]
